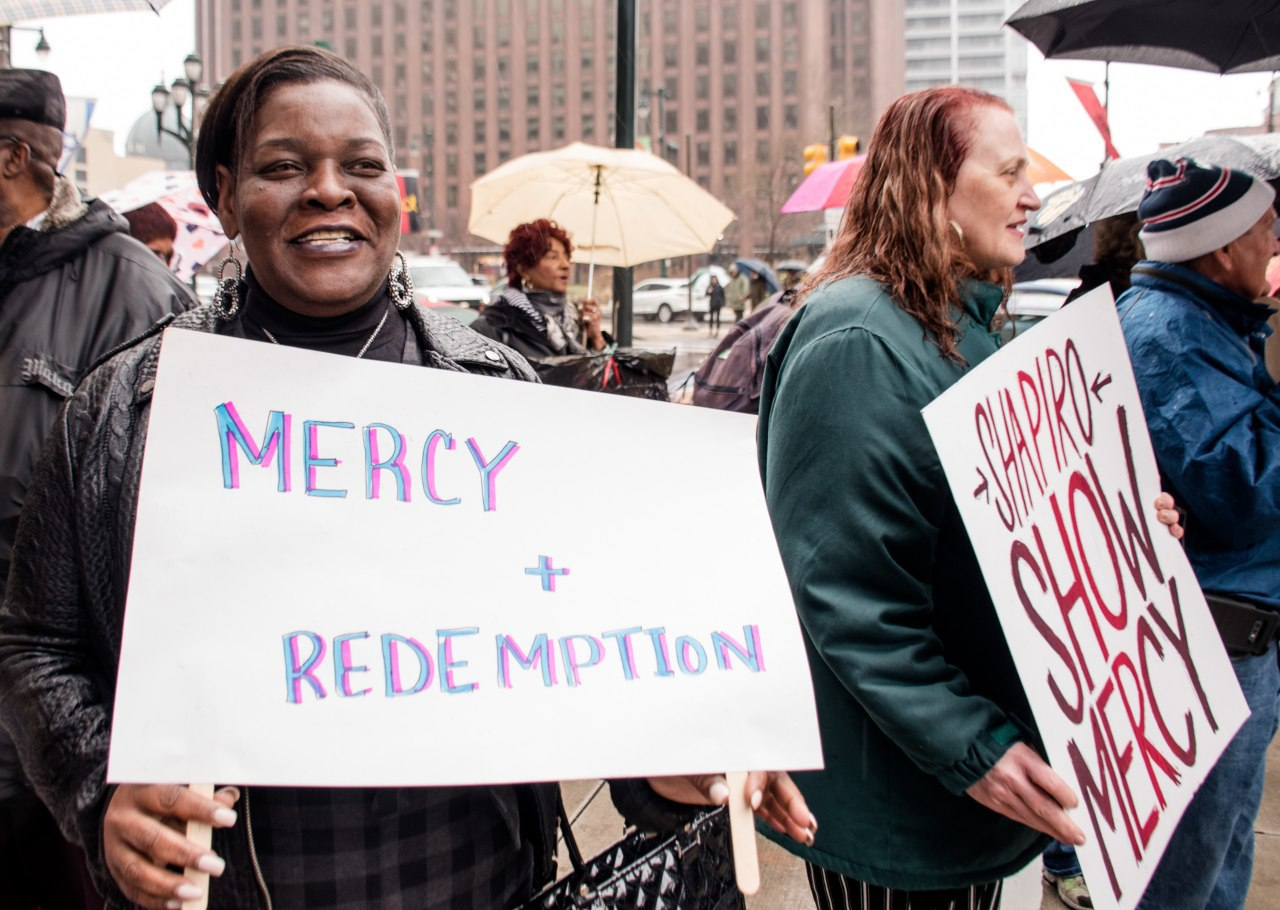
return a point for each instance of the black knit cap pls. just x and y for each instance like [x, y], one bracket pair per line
[33, 95]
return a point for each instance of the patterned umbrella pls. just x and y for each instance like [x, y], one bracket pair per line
[200, 236]
[22, 10]
[1118, 187]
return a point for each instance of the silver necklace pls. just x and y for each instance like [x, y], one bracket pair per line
[376, 329]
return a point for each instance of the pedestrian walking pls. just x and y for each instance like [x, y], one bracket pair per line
[715, 303]
[738, 293]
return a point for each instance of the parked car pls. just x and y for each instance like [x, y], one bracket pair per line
[1031, 301]
[665, 299]
[437, 279]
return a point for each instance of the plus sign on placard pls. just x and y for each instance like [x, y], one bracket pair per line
[548, 573]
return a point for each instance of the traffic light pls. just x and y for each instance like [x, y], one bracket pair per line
[814, 155]
[847, 146]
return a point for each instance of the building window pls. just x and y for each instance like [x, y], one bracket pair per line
[482, 164]
[557, 128]
[731, 152]
[762, 117]
[730, 87]
[762, 83]
[703, 120]
[702, 87]
[790, 82]
[703, 53]
[763, 47]
[670, 55]
[729, 118]
[704, 154]
[451, 196]
[533, 129]
[730, 51]
[791, 117]
[762, 15]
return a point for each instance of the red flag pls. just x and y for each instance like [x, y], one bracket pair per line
[1089, 99]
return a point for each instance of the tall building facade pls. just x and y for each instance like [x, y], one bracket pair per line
[729, 92]
[965, 42]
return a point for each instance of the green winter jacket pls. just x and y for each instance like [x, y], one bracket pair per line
[916, 690]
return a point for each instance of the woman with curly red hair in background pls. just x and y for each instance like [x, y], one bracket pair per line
[533, 315]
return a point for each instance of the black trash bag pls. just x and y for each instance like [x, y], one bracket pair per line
[621, 371]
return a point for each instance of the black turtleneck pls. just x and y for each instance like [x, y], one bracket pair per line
[345, 334]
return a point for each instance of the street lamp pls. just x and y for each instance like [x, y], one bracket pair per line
[642, 108]
[179, 93]
[43, 48]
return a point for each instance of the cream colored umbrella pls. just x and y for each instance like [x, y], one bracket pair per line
[621, 206]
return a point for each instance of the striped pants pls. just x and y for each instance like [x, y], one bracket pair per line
[833, 891]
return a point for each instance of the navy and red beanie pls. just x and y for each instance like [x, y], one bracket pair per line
[1189, 210]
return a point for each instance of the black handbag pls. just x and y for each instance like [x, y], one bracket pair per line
[690, 869]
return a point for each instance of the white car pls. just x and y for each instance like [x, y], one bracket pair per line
[665, 299]
[1031, 301]
[439, 280]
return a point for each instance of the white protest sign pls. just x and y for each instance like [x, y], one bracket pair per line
[354, 573]
[1046, 451]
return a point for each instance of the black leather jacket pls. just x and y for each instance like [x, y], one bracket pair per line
[61, 620]
[68, 295]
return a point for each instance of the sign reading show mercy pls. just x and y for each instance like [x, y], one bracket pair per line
[349, 573]
[1046, 451]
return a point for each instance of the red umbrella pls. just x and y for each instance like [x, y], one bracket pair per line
[826, 188]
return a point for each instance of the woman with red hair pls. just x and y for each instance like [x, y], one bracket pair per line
[533, 315]
[933, 789]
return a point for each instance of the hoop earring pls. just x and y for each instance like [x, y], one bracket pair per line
[226, 300]
[959, 233]
[400, 283]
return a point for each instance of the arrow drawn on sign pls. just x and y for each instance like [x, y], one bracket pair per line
[982, 487]
[1100, 382]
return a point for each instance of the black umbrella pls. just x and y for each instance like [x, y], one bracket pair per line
[761, 271]
[1218, 36]
[1118, 187]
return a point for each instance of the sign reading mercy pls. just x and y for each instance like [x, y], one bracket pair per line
[1046, 452]
[349, 573]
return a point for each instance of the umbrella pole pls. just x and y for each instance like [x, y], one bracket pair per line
[591, 258]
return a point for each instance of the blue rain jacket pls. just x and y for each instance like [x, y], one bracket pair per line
[1213, 411]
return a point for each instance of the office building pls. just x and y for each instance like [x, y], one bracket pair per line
[729, 91]
[965, 42]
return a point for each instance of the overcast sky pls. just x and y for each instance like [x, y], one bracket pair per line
[117, 58]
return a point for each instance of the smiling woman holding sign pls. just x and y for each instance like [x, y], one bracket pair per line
[933, 789]
[296, 157]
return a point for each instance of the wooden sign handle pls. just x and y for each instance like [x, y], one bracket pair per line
[742, 832]
[200, 833]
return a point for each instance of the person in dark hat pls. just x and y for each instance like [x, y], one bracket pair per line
[73, 285]
[1195, 333]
